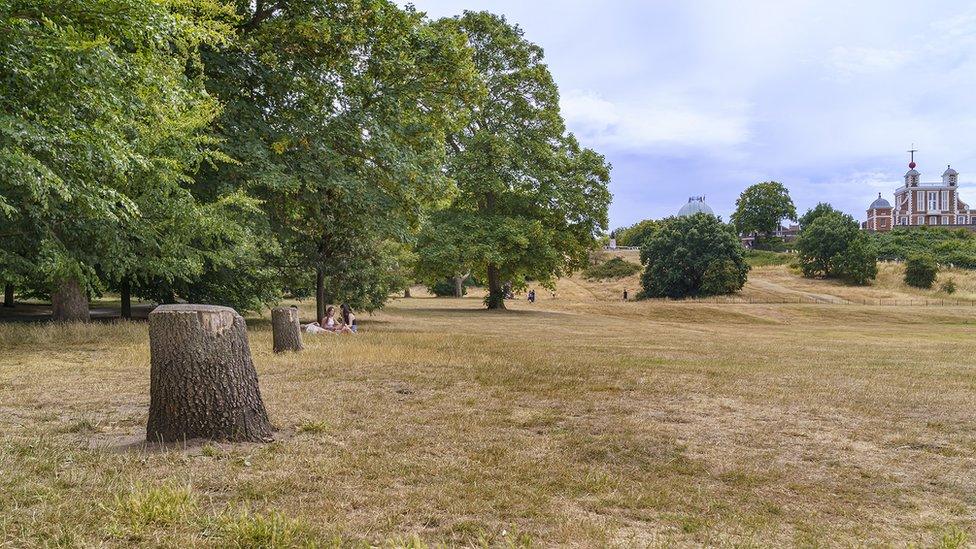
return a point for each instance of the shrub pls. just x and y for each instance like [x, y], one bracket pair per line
[949, 246]
[613, 269]
[920, 271]
[680, 252]
[949, 286]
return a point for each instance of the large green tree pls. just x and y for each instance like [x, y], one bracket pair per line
[761, 208]
[336, 113]
[103, 113]
[530, 201]
[690, 256]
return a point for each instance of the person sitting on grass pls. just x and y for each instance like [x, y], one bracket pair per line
[333, 325]
[348, 318]
[328, 324]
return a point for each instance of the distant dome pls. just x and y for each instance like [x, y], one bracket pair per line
[913, 171]
[950, 171]
[879, 203]
[696, 204]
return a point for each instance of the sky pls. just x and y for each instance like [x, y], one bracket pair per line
[708, 97]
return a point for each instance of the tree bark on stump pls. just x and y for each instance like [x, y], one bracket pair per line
[286, 329]
[8, 295]
[406, 292]
[69, 302]
[202, 380]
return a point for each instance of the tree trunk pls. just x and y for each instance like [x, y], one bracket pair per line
[319, 295]
[69, 302]
[286, 329]
[125, 292]
[202, 380]
[406, 292]
[458, 287]
[8, 295]
[496, 294]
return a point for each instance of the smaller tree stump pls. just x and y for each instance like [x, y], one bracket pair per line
[202, 380]
[286, 329]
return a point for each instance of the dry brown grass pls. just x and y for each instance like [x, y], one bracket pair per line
[578, 421]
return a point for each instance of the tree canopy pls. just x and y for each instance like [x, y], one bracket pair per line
[834, 246]
[102, 119]
[529, 201]
[634, 235]
[235, 152]
[761, 208]
[692, 256]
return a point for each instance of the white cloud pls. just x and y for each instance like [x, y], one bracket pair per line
[657, 121]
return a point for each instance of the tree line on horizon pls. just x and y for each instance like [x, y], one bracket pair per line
[237, 152]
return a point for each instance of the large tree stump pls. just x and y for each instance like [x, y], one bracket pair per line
[69, 302]
[202, 381]
[286, 329]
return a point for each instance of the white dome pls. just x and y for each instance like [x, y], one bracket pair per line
[696, 204]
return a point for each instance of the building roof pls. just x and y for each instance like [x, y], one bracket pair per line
[696, 204]
[879, 203]
[913, 171]
[950, 171]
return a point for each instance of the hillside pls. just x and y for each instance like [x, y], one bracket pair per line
[781, 283]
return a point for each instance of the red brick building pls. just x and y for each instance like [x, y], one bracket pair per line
[918, 203]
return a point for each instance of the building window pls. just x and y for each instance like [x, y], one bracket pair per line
[961, 220]
[921, 220]
[933, 201]
[945, 200]
[903, 220]
[945, 220]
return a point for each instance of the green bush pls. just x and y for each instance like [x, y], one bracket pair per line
[692, 256]
[612, 269]
[763, 258]
[949, 286]
[834, 246]
[921, 270]
[955, 247]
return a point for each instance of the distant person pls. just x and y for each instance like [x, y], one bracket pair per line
[348, 318]
[625, 295]
[531, 296]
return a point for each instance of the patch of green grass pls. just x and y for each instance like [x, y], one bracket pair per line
[954, 539]
[313, 427]
[151, 507]
[244, 529]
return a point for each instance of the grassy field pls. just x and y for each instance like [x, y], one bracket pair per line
[580, 420]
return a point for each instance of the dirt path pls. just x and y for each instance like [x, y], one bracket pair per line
[766, 285]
